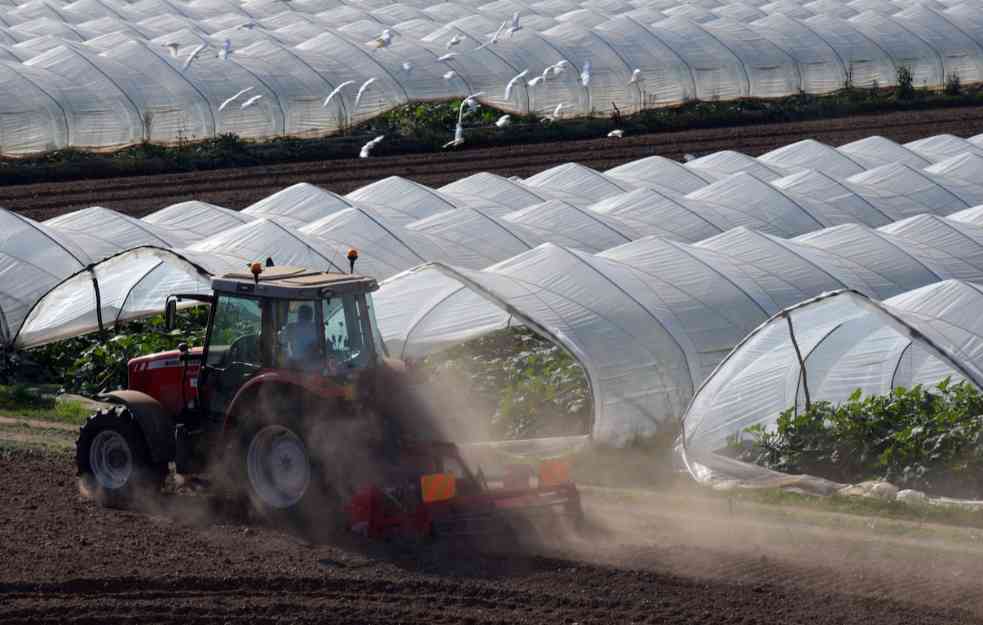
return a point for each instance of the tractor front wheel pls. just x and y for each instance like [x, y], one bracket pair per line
[113, 462]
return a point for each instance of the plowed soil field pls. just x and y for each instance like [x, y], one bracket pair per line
[651, 558]
[237, 188]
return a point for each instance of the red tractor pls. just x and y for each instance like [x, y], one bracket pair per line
[291, 402]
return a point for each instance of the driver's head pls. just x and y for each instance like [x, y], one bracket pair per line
[305, 314]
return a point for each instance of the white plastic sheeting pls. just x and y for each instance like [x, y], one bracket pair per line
[847, 342]
[648, 287]
[101, 74]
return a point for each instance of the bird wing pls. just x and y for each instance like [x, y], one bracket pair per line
[361, 92]
[498, 33]
[191, 57]
[585, 74]
[508, 87]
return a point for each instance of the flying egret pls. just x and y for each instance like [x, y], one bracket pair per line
[636, 75]
[407, 67]
[616, 134]
[458, 137]
[455, 40]
[366, 150]
[450, 75]
[504, 121]
[514, 28]
[535, 81]
[251, 101]
[556, 113]
[472, 101]
[226, 50]
[585, 74]
[515, 79]
[446, 57]
[361, 92]
[335, 92]
[382, 41]
[494, 38]
[174, 48]
[234, 98]
[191, 57]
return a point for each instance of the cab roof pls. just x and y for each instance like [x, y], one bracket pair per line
[293, 282]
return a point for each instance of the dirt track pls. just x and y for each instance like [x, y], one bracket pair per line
[662, 561]
[237, 188]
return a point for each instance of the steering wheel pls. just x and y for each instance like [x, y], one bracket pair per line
[244, 350]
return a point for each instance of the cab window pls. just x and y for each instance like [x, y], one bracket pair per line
[235, 332]
[344, 338]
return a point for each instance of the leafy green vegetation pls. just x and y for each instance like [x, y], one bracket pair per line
[21, 400]
[425, 127]
[928, 439]
[529, 386]
[94, 363]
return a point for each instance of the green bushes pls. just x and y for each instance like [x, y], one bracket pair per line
[92, 364]
[906, 83]
[929, 439]
[524, 385]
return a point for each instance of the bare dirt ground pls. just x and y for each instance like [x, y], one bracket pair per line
[654, 558]
[237, 188]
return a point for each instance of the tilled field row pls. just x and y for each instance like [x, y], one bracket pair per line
[236, 188]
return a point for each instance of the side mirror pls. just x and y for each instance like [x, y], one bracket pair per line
[170, 314]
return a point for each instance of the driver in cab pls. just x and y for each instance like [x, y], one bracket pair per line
[301, 339]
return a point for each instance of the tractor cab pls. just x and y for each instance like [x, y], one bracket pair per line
[295, 323]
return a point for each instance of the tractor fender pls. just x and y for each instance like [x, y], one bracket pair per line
[247, 396]
[156, 424]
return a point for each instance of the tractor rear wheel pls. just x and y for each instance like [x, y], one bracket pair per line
[113, 461]
[277, 466]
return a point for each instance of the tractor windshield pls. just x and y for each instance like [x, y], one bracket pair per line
[347, 345]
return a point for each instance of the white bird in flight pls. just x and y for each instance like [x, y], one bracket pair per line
[511, 84]
[407, 67]
[504, 121]
[226, 50]
[616, 133]
[585, 73]
[458, 138]
[636, 75]
[556, 113]
[472, 101]
[535, 81]
[366, 150]
[251, 101]
[446, 57]
[455, 40]
[191, 57]
[450, 75]
[494, 38]
[335, 92]
[382, 41]
[174, 48]
[361, 92]
[514, 28]
[234, 98]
